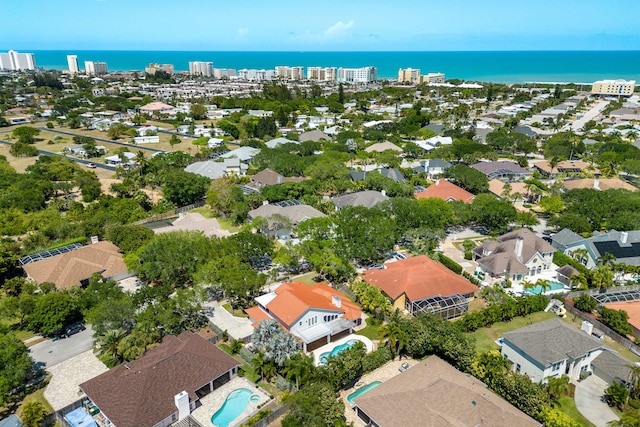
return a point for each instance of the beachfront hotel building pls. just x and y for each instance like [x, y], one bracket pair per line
[256, 75]
[290, 73]
[72, 62]
[154, 68]
[95, 68]
[224, 73]
[322, 74]
[412, 75]
[613, 87]
[357, 75]
[14, 61]
[199, 68]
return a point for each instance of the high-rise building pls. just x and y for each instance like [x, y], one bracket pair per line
[153, 68]
[224, 73]
[432, 78]
[326, 74]
[94, 68]
[357, 75]
[198, 68]
[256, 75]
[409, 75]
[290, 73]
[72, 61]
[613, 87]
[14, 61]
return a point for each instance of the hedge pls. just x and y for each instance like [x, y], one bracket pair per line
[503, 312]
[450, 264]
[375, 359]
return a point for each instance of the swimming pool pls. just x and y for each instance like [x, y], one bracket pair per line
[336, 350]
[555, 286]
[236, 402]
[362, 390]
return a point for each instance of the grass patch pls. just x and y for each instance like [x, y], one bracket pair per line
[36, 396]
[205, 211]
[371, 330]
[270, 388]
[485, 337]
[225, 224]
[226, 349]
[227, 307]
[568, 406]
[308, 278]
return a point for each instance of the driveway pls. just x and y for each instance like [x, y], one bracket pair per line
[587, 397]
[237, 327]
[50, 353]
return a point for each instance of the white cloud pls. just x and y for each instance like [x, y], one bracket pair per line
[338, 29]
[242, 31]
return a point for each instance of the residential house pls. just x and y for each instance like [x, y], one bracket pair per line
[623, 245]
[518, 189]
[568, 167]
[316, 314]
[597, 183]
[433, 167]
[421, 285]
[502, 170]
[438, 140]
[215, 169]
[434, 393]
[245, 154]
[268, 177]
[550, 349]
[279, 141]
[315, 135]
[125, 158]
[393, 173]
[75, 268]
[517, 255]
[611, 367]
[447, 191]
[155, 108]
[368, 199]
[163, 386]
[564, 238]
[294, 211]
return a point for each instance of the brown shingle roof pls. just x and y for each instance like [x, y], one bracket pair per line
[141, 393]
[68, 269]
[270, 177]
[418, 277]
[434, 393]
[445, 190]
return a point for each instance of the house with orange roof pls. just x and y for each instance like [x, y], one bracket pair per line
[447, 191]
[421, 285]
[316, 314]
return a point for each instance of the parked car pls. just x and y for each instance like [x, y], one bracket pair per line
[74, 328]
[91, 165]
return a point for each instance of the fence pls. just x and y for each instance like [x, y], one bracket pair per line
[274, 415]
[170, 213]
[60, 413]
[597, 291]
[628, 344]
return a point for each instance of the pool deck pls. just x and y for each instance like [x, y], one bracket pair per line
[328, 347]
[383, 373]
[214, 401]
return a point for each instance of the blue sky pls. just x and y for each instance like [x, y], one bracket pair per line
[329, 25]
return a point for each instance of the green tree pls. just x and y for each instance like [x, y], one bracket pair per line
[15, 365]
[558, 387]
[618, 320]
[468, 178]
[602, 277]
[183, 188]
[25, 134]
[586, 302]
[299, 368]
[174, 140]
[618, 394]
[316, 405]
[198, 112]
[129, 237]
[117, 130]
[33, 414]
[492, 213]
[53, 311]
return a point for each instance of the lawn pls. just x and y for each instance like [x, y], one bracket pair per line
[205, 211]
[225, 224]
[308, 278]
[371, 330]
[37, 396]
[485, 337]
[568, 406]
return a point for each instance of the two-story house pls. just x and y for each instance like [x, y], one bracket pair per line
[517, 255]
[550, 349]
[316, 314]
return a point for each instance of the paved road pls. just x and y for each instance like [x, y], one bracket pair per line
[155, 150]
[75, 159]
[50, 353]
[589, 115]
[587, 397]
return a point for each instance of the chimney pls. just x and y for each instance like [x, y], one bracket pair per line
[182, 403]
[596, 183]
[384, 192]
[519, 244]
[336, 300]
[437, 182]
[623, 237]
[265, 202]
[587, 327]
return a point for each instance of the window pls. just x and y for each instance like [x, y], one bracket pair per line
[556, 366]
[518, 367]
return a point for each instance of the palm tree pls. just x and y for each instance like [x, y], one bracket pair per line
[544, 285]
[634, 379]
[109, 345]
[579, 254]
[527, 285]
[607, 259]
[580, 280]
[299, 367]
[259, 364]
[506, 191]
[553, 162]
[33, 414]
[629, 419]
[396, 336]
[558, 387]
[602, 277]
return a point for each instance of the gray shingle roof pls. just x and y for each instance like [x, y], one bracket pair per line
[611, 363]
[551, 341]
[566, 237]
[367, 199]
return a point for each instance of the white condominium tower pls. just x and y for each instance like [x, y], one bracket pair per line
[357, 75]
[72, 61]
[93, 68]
[326, 74]
[14, 61]
[198, 68]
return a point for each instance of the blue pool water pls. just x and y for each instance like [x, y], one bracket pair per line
[554, 287]
[236, 402]
[362, 390]
[336, 350]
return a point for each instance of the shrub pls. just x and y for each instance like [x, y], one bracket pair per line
[375, 359]
[450, 264]
[561, 259]
[585, 302]
[467, 255]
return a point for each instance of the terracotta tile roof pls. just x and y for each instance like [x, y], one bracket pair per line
[157, 106]
[445, 190]
[418, 277]
[434, 393]
[68, 269]
[141, 393]
[296, 298]
[257, 314]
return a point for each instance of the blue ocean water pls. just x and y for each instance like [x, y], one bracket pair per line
[495, 66]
